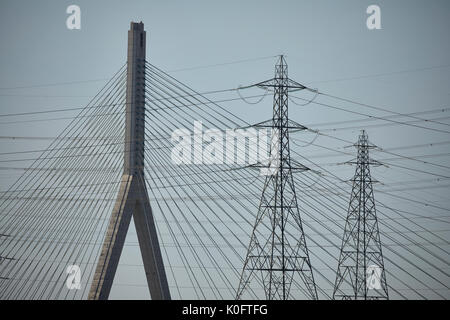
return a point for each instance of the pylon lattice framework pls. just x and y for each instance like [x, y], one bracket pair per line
[360, 274]
[277, 254]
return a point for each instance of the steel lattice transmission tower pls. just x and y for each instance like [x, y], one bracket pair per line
[360, 273]
[277, 254]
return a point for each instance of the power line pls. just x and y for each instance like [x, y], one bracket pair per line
[371, 116]
[382, 74]
[438, 110]
[222, 64]
[54, 84]
[381, 108]
[101, 106]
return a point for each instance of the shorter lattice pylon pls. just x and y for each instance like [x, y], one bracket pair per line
[361, 274]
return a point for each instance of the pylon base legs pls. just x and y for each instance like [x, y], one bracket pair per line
[132, 200]
[149, 244]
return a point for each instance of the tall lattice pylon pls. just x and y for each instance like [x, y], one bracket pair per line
[360, 273]
[277, 254]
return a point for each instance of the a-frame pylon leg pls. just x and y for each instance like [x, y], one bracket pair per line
[113, 243]
[132, 200]
[149, 244]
